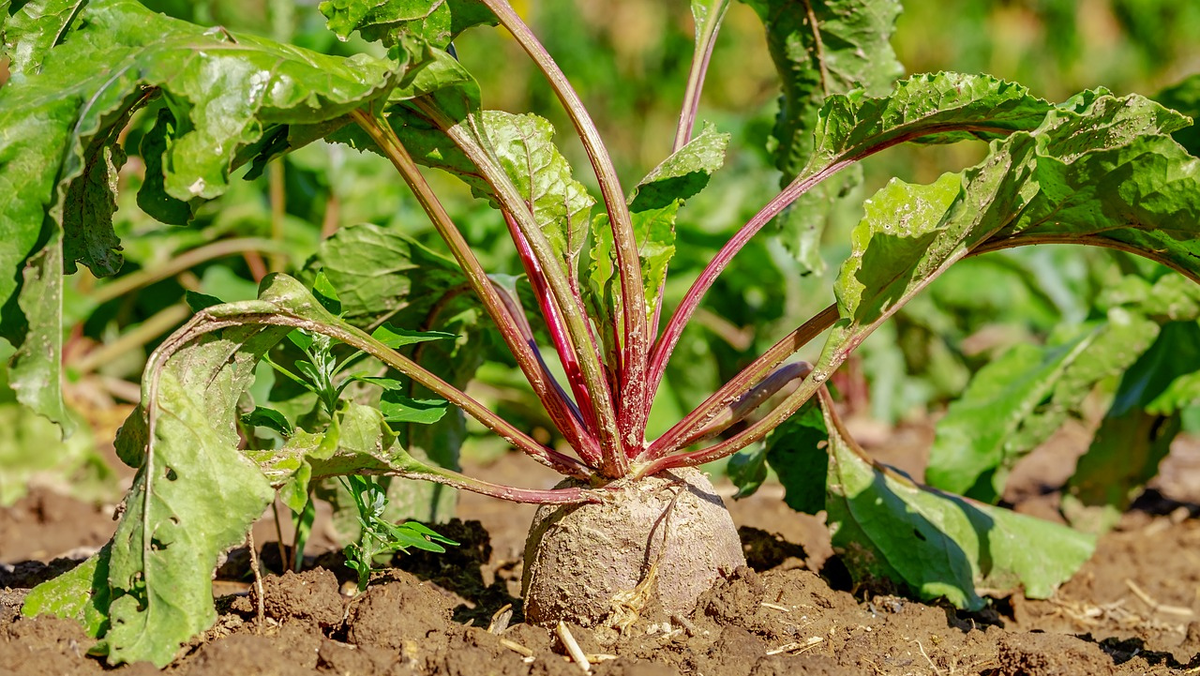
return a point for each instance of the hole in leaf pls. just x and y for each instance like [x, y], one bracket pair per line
[157, 545]
[919, 534]
[170, 474]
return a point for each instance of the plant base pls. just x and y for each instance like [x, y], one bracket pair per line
[661, 541]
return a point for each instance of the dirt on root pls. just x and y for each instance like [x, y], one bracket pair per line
[1133, 609]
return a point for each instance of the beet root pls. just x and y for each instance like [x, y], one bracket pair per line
[665, 539]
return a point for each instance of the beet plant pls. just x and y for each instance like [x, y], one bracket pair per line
[632, 520]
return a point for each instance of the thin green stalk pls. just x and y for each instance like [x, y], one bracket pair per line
[145, 277]
[569, 303]
[156, 325]
[633, 397]
[383, 135]
[706, 38]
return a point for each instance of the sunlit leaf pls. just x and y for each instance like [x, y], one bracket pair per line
[387, 20]
[937, 544]
[559, 203]
[397, 408]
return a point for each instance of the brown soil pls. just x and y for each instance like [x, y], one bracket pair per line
[1133, 609]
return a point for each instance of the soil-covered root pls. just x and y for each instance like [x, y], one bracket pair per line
[659, 542]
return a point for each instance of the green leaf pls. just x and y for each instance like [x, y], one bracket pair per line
[32, 446]
[1133, 439]
[654, 208]
[263, 416]
[35, 372]
[197, 301]
[1184, 97]
[397, 408]
[821, 48]
[196, 494]
[80, 594]
[396, 338]
[798, 451]
[927, 108]
[35, 28]
[936, 544]
[525, 147]
[327, 294]
[1105, 175]
[960, 455]
[194, 497]
[747, 469]
[684, 174]
[387, 20]
[972, 452]
[383, 273]
[654, 232]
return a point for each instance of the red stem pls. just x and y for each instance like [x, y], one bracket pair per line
[691, 301]
[632, 400]
[675, 438]
[558, 332]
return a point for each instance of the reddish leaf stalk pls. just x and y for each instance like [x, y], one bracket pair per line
[531, 367]
[799, 186]
[615, 462]
[633, 397]
[675, 438]
[695, 83]
[554, 323]
[687, 307]
[587, 447]
[744, 405]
